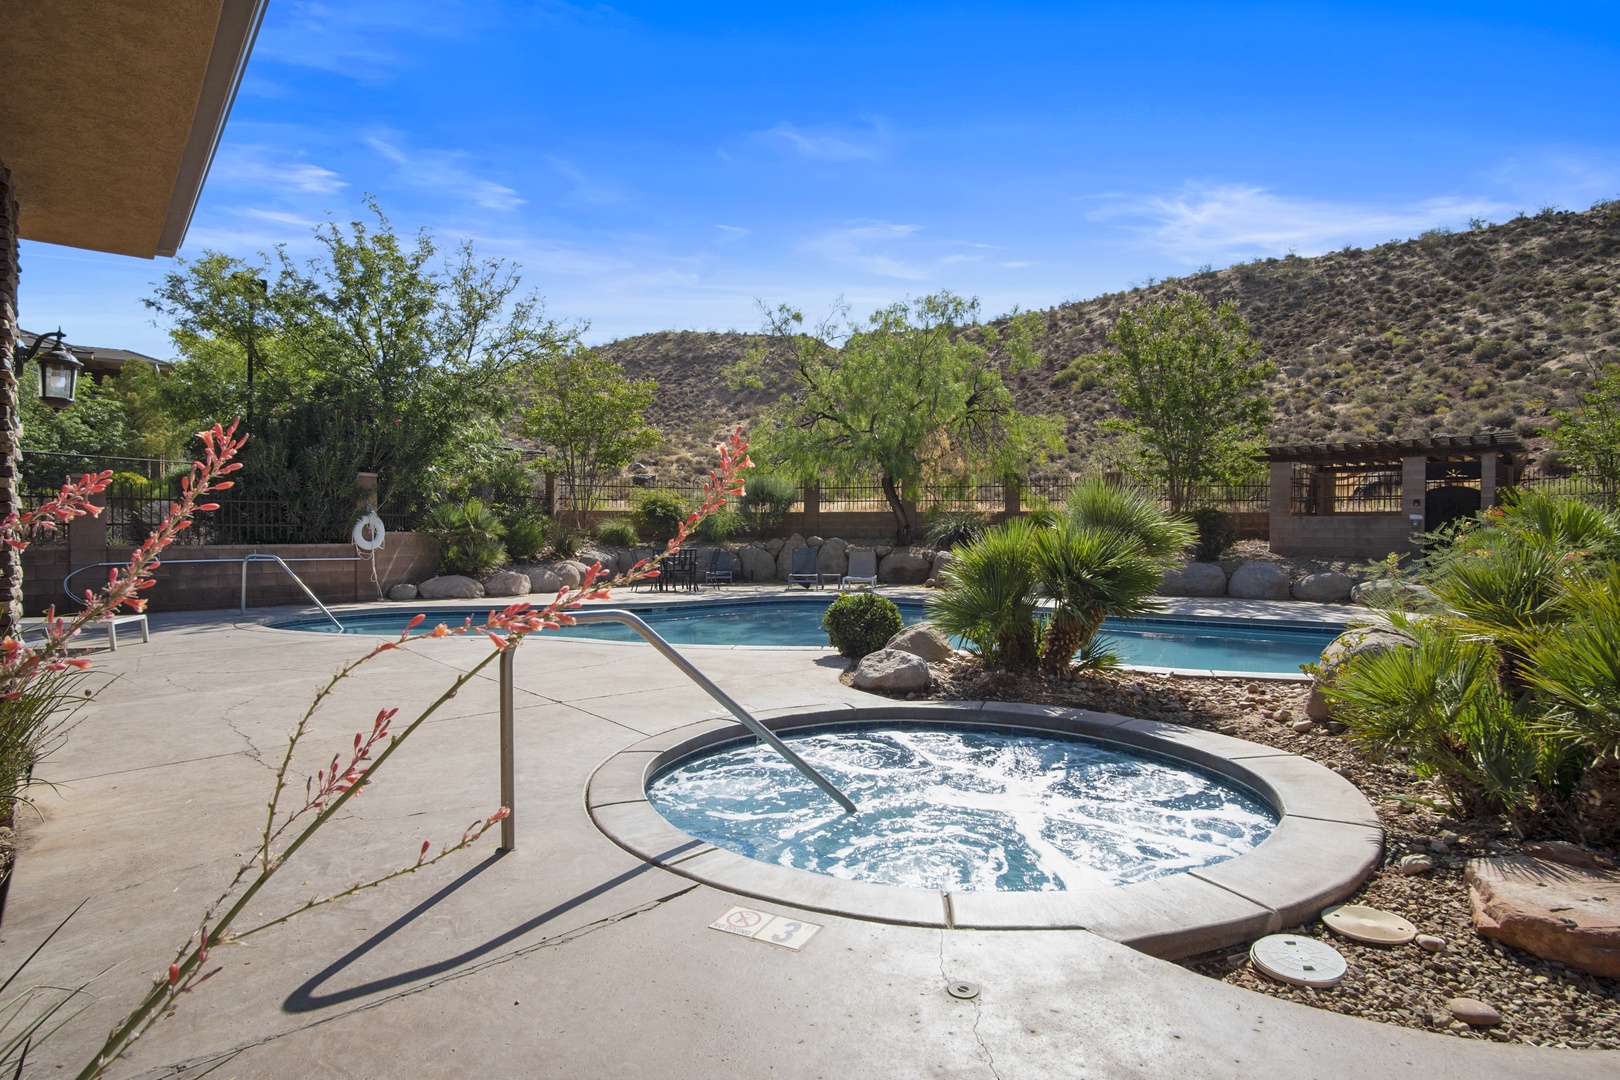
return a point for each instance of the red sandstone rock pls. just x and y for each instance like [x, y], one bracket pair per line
[1558, 912]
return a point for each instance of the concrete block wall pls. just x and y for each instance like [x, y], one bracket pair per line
[184, 584]
[1340, 536]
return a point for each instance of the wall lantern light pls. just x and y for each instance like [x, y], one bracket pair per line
[58, 370]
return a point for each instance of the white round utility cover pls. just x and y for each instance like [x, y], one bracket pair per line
[1360, 923]
[1303, 961]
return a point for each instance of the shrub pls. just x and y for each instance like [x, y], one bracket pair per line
[952, 528]
[990, 603]
[618, 532]
[525, 535]
[659, 514]
[861, 623]
[469, 536]
[721, 526]
[1216, 533]
[767, 499]
[565, 542]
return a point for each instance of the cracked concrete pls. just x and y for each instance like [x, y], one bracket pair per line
[567, 957]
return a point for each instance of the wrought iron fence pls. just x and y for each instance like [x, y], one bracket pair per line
[1576, 487]
[1246, 496]
[853, 497]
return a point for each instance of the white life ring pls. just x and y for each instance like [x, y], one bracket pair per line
[369, 532]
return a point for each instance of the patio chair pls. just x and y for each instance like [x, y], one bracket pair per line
[681, 570]
[862, 569]
[804, 568]
[719, 568]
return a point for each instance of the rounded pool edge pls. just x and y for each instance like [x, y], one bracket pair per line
[1326, 843]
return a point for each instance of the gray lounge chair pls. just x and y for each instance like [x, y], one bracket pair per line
[719, 568]
[804, 568]
[862, 569]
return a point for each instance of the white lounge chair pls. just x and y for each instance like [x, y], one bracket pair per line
[862, 569]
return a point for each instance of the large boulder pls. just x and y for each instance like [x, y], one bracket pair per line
[1359, 641]
[905, 567]
[542, 579]
[774, 546]
[921, 639]
[757, 564]
[784, 555]
[892, 671]
[1259, 581]
[507, 583]
[571, 572]
[450, 587]
[1326, 588]
[833, 558]
[1194, 579]
[1570, 914]
[941, 566]
[402, 591]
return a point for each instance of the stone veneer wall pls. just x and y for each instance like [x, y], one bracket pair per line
[10, 416]
[185, 586]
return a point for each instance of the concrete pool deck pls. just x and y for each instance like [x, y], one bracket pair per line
[568, 957]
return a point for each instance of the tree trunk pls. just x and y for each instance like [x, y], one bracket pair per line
[904, 528]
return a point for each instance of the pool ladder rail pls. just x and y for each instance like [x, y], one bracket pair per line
[250, 557]
[652, 637]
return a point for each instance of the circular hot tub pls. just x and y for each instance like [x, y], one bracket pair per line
[1000, 816]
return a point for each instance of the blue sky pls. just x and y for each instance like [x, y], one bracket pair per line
[661, 166]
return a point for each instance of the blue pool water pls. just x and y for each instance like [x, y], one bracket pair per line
[974, 809]
[1201, 644]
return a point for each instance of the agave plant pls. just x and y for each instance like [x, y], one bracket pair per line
[990, 601]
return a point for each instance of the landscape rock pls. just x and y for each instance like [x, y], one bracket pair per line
[941, 567]
[813, 541]
[1473, 1012]
[833, 557]
[543, 579]
[1194, 579]
[883, 550]
[1360, 641]
[1302, 726]
[507, 583]
[1562, 851]
[403, 591]
[450, 587]
[1430, 943]
[774, 545]
[1383, 593]
[571, 572]
[1259, 580]
[904, 567]
[1570, 914]
[891, 671]
[758, 564]
[1326, 588]
[921, 639]
[784, 555]
[1415, 864]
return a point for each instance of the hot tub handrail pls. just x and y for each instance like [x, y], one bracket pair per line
[625, 618]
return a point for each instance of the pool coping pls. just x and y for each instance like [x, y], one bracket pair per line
[1327, 842]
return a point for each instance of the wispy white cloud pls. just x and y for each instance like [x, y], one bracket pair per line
[366, 41]
[891, 250]
[1205, 223]
[264, 165]
[729, 233]
[587, 189]
[445, 171]
[829, 144]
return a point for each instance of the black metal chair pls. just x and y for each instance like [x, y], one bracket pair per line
[681, 570]
[719, 568]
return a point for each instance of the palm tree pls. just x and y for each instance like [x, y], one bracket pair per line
[1101, 505]
[1089, 573]
[990, 601]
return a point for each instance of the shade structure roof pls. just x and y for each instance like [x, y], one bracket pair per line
[1393, 450]
[112, 111]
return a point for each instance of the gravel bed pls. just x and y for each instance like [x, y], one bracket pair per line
[1541, 1002]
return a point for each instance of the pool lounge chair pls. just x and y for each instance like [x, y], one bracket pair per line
[862, 569]
[804, 568]
[719, 568]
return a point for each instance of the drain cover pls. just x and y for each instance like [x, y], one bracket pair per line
[966, 991]
[1303, 961]
[1360, 923]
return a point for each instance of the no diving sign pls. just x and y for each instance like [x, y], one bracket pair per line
[763, 926]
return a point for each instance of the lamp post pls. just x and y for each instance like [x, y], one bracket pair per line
[58, 370]
[251, 285]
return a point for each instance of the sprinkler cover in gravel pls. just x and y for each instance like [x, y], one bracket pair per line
[1360, 923]
[1303, 961]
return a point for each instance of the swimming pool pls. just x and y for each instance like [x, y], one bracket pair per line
[1259, 646]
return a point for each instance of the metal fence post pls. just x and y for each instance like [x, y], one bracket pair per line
[508, 767]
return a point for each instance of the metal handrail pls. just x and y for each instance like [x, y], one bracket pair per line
[252, 556]
[652, 637]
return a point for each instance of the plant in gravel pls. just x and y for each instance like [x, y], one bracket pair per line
[861, 623]
[618, 532]
[990, 602]
[293, 818]
[469, 535]
[766, 500]
[1216, 533]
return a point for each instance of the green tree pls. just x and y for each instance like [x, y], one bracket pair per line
[591, 420]
[1590, 435]
[915, 395]
[379, 355]
[1190, 380]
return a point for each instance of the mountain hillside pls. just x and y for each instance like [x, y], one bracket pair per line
[1451, 332]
